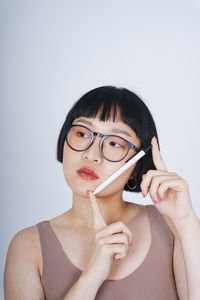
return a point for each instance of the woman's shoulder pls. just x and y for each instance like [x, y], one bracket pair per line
[28, 237]
[24, 251]
[26, 241]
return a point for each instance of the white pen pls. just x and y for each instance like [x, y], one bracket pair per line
[121, 170]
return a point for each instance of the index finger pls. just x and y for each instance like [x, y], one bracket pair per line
[98, 220]
[156, 155]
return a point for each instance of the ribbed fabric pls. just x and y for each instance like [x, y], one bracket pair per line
[152, 280]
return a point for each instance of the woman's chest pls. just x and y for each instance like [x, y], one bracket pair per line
[77, 246]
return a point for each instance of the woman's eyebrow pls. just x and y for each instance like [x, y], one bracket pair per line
[115, 130]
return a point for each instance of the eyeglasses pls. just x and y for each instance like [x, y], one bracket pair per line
[112, 147]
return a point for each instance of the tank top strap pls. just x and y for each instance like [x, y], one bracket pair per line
[49, 244]
[58, 274]
[53, 256]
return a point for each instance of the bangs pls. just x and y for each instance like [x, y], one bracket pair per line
[103, 110]
[108, 104]
[104, 105]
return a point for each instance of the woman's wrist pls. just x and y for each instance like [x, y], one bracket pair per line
[84, 288]
[86, 277]
[188, 223]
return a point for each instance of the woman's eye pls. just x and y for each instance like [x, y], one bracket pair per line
[116, 145]
[82, 134]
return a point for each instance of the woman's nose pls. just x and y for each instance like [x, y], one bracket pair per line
[93, 153]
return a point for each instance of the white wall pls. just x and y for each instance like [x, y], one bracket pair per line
[52, 52]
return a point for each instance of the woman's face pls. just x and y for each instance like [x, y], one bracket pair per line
[77, 165]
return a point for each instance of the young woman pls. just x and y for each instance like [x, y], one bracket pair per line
[105, 247]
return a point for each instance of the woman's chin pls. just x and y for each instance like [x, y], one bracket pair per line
[82, 192]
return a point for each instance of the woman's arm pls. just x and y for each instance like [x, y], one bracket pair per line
[170, 193]
[21, 275]
[85, 287]
[189, 234]
[179, 268]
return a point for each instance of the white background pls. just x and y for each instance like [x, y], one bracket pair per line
[52, 52]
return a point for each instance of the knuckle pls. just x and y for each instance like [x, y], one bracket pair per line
[149, 172]
[120, 223]
[97, 236]
[124, 238]
[129, 234]
[120, 248]
[125, 248]
[101, 242]
[104, 249]
[155, 179]
[142, 184]
[174, 173]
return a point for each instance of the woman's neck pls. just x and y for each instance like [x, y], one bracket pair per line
[112, 209]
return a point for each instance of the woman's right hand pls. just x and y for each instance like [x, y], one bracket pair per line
[109, 240]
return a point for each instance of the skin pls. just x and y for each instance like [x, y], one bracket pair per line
[110, 200]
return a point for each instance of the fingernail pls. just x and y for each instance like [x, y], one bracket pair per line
[160, 198]
[154, 201]
[154, 139]
[88, 192]
[131, 243]
[143, 195]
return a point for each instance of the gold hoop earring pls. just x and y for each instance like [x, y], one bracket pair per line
[132, 187]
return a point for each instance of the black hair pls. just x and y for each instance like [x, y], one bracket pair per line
[106, 101]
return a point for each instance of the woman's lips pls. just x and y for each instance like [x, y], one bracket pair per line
[87, 173]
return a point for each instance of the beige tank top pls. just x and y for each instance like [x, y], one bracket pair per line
[152, 280]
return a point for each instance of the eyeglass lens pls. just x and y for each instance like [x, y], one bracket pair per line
[114, 148]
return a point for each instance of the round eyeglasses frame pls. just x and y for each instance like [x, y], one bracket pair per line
[103, 137]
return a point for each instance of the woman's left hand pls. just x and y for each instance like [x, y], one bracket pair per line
[167, 190]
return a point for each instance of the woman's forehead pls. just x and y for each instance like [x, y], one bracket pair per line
[113, 117]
